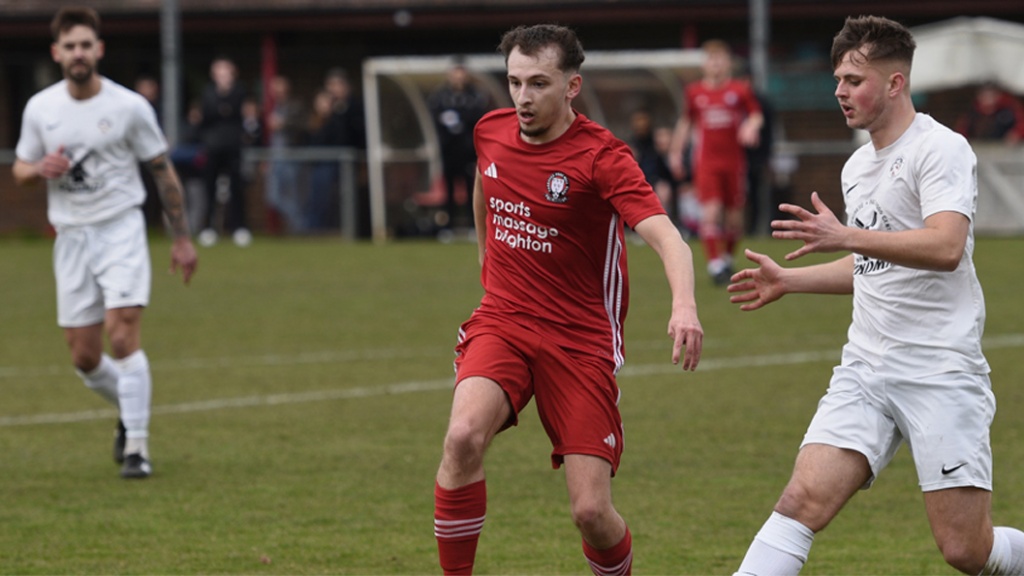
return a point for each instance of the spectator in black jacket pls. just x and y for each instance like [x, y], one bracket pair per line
[337, 121]
[221, 133]
[456, 106]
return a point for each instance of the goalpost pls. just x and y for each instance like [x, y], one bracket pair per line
[402, 151]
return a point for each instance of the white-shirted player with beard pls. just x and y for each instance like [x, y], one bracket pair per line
[84, 136]
[913, 369]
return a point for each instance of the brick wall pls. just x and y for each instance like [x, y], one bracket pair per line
[23, 208]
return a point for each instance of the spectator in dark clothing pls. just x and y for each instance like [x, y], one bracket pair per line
[252, 124]
[344, 126]
[456, 106]
[190, 160]
[150, 89]
[221, 133]
[285, 130]
[758, 164]
[321, 211]
[652, 161]
[994, 115]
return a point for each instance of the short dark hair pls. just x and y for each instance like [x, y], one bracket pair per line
[886, 40]
[71, 16]
[337, 73]
[532, 39]
[716, 45]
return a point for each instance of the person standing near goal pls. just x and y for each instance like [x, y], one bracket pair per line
[551, 195]
[912, 370]
[84, 136]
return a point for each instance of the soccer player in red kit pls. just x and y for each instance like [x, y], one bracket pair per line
[724, 116]
[553, 190]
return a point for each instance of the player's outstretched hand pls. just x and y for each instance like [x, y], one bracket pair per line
[687, 338]
[183, 255]
[753, 288]
[820, 232]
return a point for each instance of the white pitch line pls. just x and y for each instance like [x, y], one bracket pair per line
[710, 364]
[323, 357]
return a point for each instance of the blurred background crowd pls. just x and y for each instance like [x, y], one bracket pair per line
[355, 118]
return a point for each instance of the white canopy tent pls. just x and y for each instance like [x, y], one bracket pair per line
[971, 51]
[965, 51]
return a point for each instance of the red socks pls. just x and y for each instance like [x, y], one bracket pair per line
[731, 240]
[712, 243]
[458, 520]
[615, 561]
[719, 245]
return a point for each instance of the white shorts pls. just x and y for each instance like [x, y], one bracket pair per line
[99, 267]
[944, 419]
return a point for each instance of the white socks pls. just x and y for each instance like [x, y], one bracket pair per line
[782, 546]
[1007, 555]
[127, 384]
[135, 389]
[103, 379]
[779, 549]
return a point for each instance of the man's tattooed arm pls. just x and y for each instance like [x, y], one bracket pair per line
[172, 195]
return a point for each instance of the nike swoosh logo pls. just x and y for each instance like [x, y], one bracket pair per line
[850, 189]
[953, 469]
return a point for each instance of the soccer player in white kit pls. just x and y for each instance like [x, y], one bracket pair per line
[84, 136]
[912, 370]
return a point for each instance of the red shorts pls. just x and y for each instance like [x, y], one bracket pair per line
[723, 184]
[576, 395]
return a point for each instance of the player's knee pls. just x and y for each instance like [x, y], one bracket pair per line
[122, 347]
[805, 506]
[123, 331]
[124, 340]
[464, 442]
[591, 517]
[85, 360]
[964, 554]
[587, 519]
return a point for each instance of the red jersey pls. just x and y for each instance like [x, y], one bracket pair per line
[556, 254]
[716, 114]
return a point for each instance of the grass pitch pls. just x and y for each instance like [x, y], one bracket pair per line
[301, 392]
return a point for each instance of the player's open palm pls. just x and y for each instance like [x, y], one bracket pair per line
[753, 288]
[820, 231]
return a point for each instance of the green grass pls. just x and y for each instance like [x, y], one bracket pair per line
[301, 394]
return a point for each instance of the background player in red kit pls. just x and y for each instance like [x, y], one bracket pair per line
[725, 117]
[553, 191]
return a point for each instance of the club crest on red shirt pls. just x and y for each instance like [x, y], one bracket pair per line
[558, 188]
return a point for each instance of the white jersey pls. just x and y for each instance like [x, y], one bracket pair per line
[911, 321]
[104, 137]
